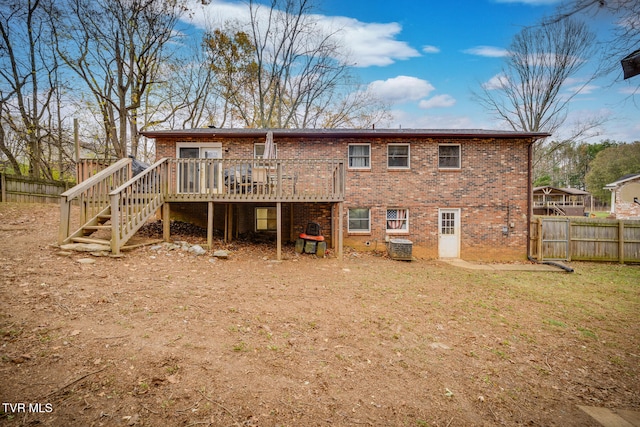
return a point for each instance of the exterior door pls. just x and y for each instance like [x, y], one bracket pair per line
[449, 233]
[211, 173]
[200, 176]
[189, 172]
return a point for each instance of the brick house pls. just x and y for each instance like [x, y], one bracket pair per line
[452, 193]
[625, 197]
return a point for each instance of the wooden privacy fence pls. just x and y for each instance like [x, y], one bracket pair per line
[585, 239]
[23, 189]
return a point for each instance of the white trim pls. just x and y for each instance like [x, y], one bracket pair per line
[395, 144]
[359, 231]
[349, 157]
[194, 144]
[459, 157]
[457, 224]
[396, 230]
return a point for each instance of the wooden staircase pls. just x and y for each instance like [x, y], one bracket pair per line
[112, 203]
[98, 223]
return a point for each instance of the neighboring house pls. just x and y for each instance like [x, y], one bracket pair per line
[549, 200]
[452, 193]
[625, 197]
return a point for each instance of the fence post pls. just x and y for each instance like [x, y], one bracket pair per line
[621, 241]
[3, 187]
[539, 242]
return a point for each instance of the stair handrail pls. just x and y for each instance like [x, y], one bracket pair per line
[133, 202]
[91, 195]
[100, 176]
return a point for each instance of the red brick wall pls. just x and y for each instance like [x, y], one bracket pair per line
[490, 189]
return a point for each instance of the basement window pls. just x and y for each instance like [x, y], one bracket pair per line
[359, 220]
[266, 219]
[397, 220]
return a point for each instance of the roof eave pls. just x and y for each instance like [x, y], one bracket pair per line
[344, 133]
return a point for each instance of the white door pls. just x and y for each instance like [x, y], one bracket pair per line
[449, 233]
[198, 176]
[211, 173]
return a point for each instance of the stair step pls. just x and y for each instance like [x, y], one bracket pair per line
[88, 240]
[97, 227]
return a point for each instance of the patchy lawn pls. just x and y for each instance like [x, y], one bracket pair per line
[164, 337]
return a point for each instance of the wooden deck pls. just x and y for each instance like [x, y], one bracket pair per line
[229, 180]
[114, 200]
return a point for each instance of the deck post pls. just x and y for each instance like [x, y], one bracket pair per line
[279, 231]
[115, 224]
[65, 218]
[210, 225]
[340, 225]
[166, 222]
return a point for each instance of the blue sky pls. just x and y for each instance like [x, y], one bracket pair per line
[425, 57]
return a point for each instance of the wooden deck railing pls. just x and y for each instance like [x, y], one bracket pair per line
[86, 168]
[256, 180]
[92, 196]
[113, 194]
[133, 202]
[560, 203]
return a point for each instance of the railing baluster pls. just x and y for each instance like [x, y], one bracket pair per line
[255, 179]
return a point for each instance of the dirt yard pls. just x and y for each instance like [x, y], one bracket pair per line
[164, 337]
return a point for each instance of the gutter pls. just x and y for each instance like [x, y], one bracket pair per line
[342, 133]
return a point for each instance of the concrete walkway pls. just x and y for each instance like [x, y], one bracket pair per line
[613, 417]
[502, 267]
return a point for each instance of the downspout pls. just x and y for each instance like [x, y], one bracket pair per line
[530, 211]
[529, 195]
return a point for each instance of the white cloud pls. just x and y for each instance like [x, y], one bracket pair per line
[487, 51]
[401, 89]
[437, 101]
[366, 44]
[407, 120]
[583, 89]
[629, 90]
[430, 49]
[370, 43]
[498, 81]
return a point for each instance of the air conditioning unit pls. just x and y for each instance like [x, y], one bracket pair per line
[400, 249]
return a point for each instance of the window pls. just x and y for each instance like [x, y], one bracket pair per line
[258, 150]
[359, 220]
[397, 220]
[266, 219]
[398, 156]
[201, 170]
[449, 156]
[359, 156]
[447, 223]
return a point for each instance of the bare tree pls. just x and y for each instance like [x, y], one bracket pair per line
[25, 67]
[283, 69]
[625, 36]
[529, 95]
[116, 48]
[189, 94]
